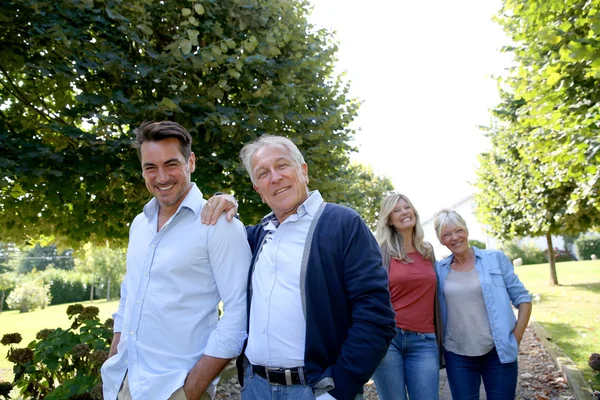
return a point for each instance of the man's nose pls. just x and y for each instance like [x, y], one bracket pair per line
[161, 175]
[275, 176]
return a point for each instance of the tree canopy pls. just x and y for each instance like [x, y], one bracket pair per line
[76, 77]
[541, 176]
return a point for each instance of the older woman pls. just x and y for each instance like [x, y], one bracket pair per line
[412, 361]
[482, 335]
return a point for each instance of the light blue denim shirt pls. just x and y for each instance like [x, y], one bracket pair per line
[501, 287]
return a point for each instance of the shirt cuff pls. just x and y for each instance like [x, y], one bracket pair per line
[221, 345]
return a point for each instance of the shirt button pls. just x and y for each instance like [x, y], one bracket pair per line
[266, 299]
[263, 331]
[132, 332]
[146, 274]
[139, 302]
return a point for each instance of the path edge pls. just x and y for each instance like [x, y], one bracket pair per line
[577, 383]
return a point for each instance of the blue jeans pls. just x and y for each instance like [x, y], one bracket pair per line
[257, 388]
[412, 364]
[465, 374]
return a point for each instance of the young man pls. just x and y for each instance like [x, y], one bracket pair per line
[169, 342]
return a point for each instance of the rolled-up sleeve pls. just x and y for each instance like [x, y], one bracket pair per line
[516, 290]
[230, 258]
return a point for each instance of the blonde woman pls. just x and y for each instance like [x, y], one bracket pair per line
[412, 362]
[482, 335]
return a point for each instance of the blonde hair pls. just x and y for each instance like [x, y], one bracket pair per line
[445, 217]
[392, 241]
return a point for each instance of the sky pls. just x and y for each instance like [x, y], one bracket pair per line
[423, 70]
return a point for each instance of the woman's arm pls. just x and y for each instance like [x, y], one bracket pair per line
[522, 321]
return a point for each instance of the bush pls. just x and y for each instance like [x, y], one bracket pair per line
[62, 364]
[561, 255]
[67, 286]
[477, 243]
[586, 246]
[29, 295]
[528, 252]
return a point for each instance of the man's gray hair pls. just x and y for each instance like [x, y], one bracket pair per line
[251, 148]
[445, 218]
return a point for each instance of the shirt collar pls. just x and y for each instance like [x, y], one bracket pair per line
[193, 201]
[310, 207]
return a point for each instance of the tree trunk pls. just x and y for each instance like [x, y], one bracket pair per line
[553, 277]
[2, 301]
[108, 289]
[92, 289]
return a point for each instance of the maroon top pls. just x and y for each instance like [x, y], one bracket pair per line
[412, 287]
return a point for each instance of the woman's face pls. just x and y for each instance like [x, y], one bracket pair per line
[456, 239]
[402, 217]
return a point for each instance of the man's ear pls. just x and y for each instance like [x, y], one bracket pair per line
[255, 188]
[305, 173]
[192, 162]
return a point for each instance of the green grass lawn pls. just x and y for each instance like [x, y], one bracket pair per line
[29, 324]
[570, 312]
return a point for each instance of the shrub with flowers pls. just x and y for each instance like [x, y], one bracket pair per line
[594, 363]
[29, 295]
[61, 363]
[561, 255]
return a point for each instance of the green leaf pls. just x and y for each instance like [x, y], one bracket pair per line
[169, 104]
[186, 46]
[186, 12]
[193, 35]
[146, 29]
[199, 9]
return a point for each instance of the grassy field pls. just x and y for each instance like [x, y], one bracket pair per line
[570, 312]
[29, 324]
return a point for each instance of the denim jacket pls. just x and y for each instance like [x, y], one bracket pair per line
[501, 287]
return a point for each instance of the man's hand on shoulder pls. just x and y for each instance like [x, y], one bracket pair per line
[217, 205]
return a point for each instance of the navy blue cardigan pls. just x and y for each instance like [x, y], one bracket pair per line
[349, 319]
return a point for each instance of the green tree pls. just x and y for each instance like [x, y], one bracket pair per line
[77, 77]
[101, 263]
[40, 257]
[541, 176]
[8, 252]
[358, 187]
[7, 282]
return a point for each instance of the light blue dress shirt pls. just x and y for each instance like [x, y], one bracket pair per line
[501, 287]
[277, 326]
[168, 313]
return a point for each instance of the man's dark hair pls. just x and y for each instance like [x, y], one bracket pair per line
[157, 131]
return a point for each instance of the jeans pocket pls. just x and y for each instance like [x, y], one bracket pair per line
[428, 337]
[247, 375]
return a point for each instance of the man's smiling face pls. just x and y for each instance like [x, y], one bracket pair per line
[279, 180]
[166, 171]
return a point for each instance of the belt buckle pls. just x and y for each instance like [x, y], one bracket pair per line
[267, 369]
[287, 373]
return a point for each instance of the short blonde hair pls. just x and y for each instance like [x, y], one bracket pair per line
[445, 218]
[390, 239]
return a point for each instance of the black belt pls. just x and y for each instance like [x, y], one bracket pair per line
[280, 376]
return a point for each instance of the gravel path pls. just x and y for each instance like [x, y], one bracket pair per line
[539, 377]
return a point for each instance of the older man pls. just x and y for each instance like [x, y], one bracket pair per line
[320, 318]
[169, 342]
